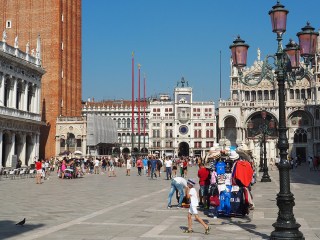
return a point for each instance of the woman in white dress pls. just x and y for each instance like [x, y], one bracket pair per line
[128, 166]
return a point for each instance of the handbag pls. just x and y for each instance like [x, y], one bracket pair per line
[214, 200]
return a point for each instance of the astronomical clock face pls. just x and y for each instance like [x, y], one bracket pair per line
[183, 129]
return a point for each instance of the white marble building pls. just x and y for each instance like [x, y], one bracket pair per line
[121, 112]
[246, 103]
[181, 127]
[167, 127]
[20, 92]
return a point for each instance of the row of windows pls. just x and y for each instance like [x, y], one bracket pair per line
[169, 133]
[205, 110]
[169, 144]
[257, 95]
[126, 123]
[127, 139]
[300, 94]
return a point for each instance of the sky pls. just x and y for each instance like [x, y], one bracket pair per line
[176, 38]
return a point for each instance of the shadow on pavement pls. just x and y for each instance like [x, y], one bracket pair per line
[10, 229]
[247, 226]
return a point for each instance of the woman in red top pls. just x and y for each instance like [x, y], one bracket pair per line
[185, 168]
[39, 171]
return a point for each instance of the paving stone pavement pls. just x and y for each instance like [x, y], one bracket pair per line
[98, 207]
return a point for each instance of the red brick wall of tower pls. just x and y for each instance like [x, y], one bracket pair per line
[59, 24]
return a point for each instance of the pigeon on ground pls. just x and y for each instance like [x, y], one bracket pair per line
[21, 223]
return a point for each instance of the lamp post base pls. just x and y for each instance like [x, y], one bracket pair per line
[265, 179]
[265, 176]
[284, 233]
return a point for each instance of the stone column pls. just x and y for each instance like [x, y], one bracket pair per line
[11, 152]
[84, 145]
[2, 78]
[14, 93]
[37, 143]
[1, 145]
[58, 145]
[25, 100]
[23, 149]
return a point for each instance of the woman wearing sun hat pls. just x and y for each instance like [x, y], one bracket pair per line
[191, 193]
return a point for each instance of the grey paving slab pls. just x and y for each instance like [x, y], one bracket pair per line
[134, 207]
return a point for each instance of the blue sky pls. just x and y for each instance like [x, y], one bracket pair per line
[175, 38]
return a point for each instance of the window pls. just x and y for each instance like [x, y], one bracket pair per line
[79, 142]
[8, 24]
[300, 136]
[291, 94]
[297, 94]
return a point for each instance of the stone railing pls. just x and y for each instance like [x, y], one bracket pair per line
[16, 113]
[18, 53]
[70, 119]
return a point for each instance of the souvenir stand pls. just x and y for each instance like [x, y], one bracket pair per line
[234, 174]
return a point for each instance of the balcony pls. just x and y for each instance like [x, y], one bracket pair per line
[19, 114]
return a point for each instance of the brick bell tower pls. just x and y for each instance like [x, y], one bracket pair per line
[58, 22]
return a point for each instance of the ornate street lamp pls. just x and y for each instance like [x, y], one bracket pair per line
[265, 131]
[287, 69]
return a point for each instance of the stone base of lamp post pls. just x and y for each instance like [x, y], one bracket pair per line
[265, 176]
[265, 179]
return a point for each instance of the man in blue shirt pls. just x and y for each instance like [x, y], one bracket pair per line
[145, 165]
[153, 167]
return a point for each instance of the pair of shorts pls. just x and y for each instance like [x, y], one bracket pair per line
[111, 168]
[203, 190]
[193, 210]
[39, 171]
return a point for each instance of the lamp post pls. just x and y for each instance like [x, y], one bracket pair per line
[287, 69]
[265, 131]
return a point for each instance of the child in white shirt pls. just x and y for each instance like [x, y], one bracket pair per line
[191, 193]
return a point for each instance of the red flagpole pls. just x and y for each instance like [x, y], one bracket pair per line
[139, 99]
[144, 107]
[139, 66]
[144, 112]
[132, 104]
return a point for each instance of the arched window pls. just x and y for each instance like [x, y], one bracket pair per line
[300, 136]
[195, 133]
[128, 122]
[119, 123]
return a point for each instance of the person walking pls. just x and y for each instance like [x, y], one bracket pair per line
[111, 168]
[153, 167]
[145, 165]
[204, 182]
[139, 165]
[128, 166]
[177, 184]
[39, 171]
[96, 166]
[191, 193]
[168, 164]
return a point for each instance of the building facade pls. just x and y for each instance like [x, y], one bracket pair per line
[240, 118]
[182, 126]
[58, 22]
[161, 126]
[121, 112]
[20, 91]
